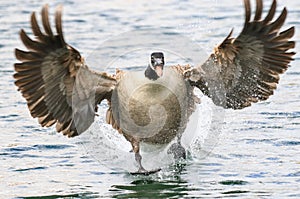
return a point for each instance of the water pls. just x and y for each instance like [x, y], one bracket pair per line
[258, 149]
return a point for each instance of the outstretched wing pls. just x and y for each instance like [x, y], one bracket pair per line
[53, 78]
[246, 69]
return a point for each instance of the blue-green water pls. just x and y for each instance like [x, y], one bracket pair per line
[256, 154]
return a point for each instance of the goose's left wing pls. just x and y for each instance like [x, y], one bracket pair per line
[246, 69]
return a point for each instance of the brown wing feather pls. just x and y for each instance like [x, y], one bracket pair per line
[246, 69]
[53, 78]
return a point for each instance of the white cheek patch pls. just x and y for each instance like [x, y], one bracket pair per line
[150, 64]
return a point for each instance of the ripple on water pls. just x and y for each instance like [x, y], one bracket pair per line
[273, 115]
[295, 174]
[257, 175]
[287, 143]
[56, 196]
[236, 193]
[9, 117]
[30, 169]
[265, 141]
[233, 182]
[38, 147]
[52, 146]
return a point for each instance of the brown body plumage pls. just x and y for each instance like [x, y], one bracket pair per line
[60, 89]
[135, 97]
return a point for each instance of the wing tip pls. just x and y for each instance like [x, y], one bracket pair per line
[259, 9]
[58, 22]
[18, 54]
[247, 10]
[45, 20]
[271, 12]
[45, 7]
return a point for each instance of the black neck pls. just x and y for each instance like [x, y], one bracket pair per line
[151, 74]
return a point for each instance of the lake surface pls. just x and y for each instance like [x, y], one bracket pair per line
[250, 153]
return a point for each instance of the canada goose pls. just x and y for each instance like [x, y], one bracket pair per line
[153, 106]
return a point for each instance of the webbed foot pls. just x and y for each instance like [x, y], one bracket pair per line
[145, 172]
[178, 151]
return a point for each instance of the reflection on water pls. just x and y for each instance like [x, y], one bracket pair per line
[79, 195]
[257, 155]
[151, 187]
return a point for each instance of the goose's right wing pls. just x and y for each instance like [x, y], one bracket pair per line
[53, 78]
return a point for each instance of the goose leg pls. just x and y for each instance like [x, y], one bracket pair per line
[138, 158]
[142, 170]
[136, 149]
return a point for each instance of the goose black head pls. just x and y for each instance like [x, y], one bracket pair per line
[156, 66]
